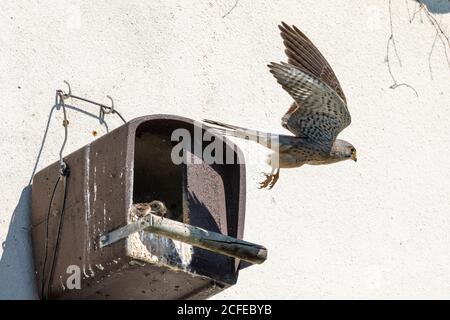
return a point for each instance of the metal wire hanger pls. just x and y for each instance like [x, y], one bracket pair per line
[64, 173]
[104, 109]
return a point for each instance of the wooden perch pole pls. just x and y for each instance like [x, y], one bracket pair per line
[192, 235]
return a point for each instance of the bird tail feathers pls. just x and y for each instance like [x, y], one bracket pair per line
[268, 140]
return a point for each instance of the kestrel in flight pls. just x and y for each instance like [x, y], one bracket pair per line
[319, 112]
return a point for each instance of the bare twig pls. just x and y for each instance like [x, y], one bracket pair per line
[440, 33]
[395, 85]
[232, 8]
[411, 17]
[434, 22]
[416, 11]
[430, 54]
[443, 37]
[392, 40]
[446, 54]
[407, 9]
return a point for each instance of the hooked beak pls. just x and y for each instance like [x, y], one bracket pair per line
[353, 156]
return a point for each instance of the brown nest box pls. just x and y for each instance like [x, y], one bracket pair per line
[128, 166]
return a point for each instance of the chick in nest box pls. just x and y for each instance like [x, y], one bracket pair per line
[156, 207]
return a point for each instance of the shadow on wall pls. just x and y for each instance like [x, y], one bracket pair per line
[437, 6]
[17, 280]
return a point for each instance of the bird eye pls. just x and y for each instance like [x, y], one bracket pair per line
[352, 152]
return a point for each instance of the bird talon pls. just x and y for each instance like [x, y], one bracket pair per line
[267, 182]
[270, 180]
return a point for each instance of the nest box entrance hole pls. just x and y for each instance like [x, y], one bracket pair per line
[156, 177]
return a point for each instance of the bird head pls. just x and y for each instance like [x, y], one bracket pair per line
[353, 154]
[343, 150]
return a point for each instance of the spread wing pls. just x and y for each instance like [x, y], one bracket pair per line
[303, 54]
[321, 113]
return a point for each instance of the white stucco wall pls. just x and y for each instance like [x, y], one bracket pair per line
[375, 229]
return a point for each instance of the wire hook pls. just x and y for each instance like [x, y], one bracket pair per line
[111, 110]
[66, 95]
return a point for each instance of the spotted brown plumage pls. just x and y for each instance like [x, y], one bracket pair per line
[317, 116]
[320, 114]
[303, 54]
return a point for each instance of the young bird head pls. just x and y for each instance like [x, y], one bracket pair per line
[343, 150]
